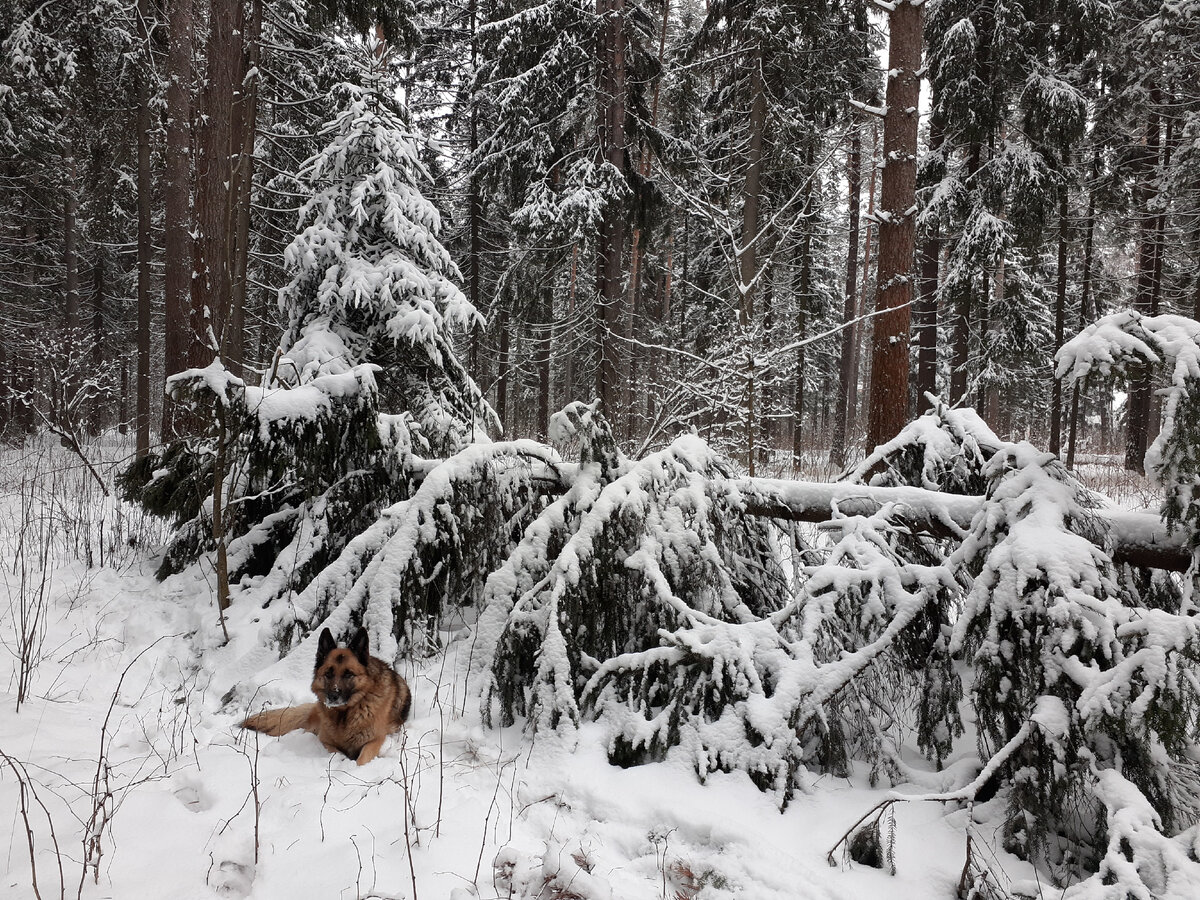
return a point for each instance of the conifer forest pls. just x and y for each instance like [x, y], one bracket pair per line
[763, 435]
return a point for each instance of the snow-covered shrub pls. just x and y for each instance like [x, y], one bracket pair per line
[315, 450]
[632, 548]
[1047, 625]
[1139, 861]
[945, 449]
[420, 565]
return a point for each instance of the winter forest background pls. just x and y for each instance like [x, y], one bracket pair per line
[763, 433]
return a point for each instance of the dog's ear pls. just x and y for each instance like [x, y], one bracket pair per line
[360, 646]
[325, 646]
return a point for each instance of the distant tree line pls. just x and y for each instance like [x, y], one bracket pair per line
[736, 217]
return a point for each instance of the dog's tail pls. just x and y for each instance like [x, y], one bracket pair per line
[280, 721]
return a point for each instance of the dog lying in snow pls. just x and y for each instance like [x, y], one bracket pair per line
[360, 701]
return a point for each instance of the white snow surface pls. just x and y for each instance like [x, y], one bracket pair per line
[130, 683]
[488, 810]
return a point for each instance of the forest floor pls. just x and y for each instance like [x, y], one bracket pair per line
[122, 774]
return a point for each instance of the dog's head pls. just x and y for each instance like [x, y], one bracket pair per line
[340, 675]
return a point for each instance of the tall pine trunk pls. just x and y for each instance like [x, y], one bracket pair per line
[212, 284]
[1060, 318]
[474, 204]
[1085, 304]
[1138, 405]
[233, 345]
[178, 335]
[752, 193]
[97, 406]
[543, 355]
[857, 329]
[888, 408]
[960, 353]
[64, 392]
[144, 247]
[803, 302]
[502, 367]
[841, 422]
[927, 304]
[71, 252]
[611, 240]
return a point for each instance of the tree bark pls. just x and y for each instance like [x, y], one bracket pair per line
[927, 305]
[212, 283]
[1138, 405]
[233, 345]
[502, 368]
[837, 451]
[1138, 538]
[857, 330]
[1085, 303]
[70, 252]
[752, 193]
[177, 235]
[145, 248]
[611, 240]
[803, 302]
[888, 408]
[97, 405]
[1060, 318]
[542, 355]
[961, 341]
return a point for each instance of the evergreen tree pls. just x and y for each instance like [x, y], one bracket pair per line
[320, 449]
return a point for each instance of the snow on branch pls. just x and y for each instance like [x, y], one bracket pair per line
[1118, 341]
[630, 549]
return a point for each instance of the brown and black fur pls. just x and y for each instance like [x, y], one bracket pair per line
[360, 701]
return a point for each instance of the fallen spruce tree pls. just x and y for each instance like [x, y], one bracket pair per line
[691, 610]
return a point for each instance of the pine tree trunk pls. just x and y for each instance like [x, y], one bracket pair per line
[1060, 318]
[212, 285]
[7, 383]
[233, 345]
[1085, 303]
[1138, 404]
[96, 407]
[144, 247]
[177, 236]
[502, 368]
[611, 240]
[543, 356]
[861, 305]
[70, 252]
[837, 451]
[927, 304]
[63, 392]
[802, 305]
[961, 341]
[888, 408]
[752, 192]
[568, 385]
[123, 405]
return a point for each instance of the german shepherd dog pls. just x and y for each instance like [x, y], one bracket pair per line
[360, 701]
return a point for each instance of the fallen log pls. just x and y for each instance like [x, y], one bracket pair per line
[1138, 538]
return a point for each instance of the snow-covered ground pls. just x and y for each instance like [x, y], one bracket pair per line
[124, 775]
